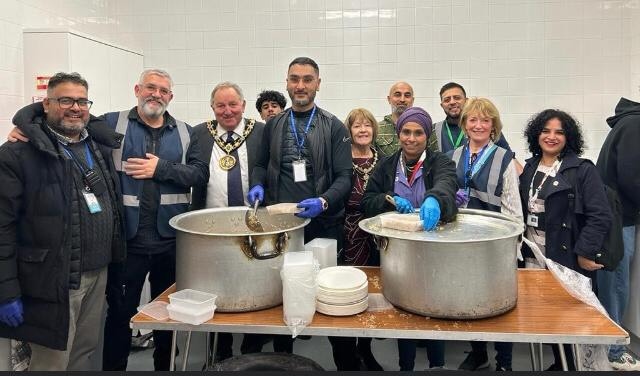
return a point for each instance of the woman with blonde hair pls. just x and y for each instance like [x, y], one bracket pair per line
[487, 180]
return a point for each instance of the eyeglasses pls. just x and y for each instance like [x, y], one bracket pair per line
[152, 89]
[67, 102]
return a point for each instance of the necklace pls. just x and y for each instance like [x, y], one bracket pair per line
[410, 168]
[364, 172]
[227, 161]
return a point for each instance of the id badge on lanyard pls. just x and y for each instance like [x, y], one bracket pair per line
[300, 166]
[533, 219]
[92, 202]
[93, 182]
[299, 171]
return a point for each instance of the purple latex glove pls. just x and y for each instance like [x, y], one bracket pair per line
[461, 198]
[11, 313]
[312, 208]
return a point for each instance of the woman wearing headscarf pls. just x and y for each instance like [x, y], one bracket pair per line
[564, 201]
[488, 180]
[415, 177]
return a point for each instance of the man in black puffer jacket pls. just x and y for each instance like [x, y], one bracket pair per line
[61, 226]
[306, 158]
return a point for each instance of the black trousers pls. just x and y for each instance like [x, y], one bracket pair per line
[251, 343]
[124, 287]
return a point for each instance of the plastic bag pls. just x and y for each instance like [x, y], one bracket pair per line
[591, 357]
[299, 288]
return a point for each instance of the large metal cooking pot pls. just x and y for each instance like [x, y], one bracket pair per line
[217, 253]
[465, 269]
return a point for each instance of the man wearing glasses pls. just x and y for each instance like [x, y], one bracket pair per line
[157, 164]
[61, 226]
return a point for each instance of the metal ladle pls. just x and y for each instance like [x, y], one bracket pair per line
[251, 219]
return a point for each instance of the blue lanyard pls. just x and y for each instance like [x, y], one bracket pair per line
[292, 124]
[87, 154]
[470, 169]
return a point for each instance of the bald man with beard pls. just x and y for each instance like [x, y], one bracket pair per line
[400, 98]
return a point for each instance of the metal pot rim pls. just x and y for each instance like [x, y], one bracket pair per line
[173, 222]
[517, 230]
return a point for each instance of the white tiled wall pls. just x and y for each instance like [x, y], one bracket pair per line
[525, 55]
[86, 16]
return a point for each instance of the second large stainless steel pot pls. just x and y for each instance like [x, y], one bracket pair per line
[464, 270]
[217, 253]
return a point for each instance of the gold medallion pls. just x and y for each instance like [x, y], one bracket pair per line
[227, 162]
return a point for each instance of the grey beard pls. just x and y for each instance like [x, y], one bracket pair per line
[153, 113]
[398, 110]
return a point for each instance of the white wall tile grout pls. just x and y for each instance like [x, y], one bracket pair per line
[526, 55]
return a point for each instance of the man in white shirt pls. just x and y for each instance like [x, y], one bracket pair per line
[229, 143]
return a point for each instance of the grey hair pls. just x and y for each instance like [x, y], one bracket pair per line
[157, 72]
[225, 85]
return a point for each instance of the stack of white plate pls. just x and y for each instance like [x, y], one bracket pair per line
[342, 291]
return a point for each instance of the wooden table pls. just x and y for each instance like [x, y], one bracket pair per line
[545, 313]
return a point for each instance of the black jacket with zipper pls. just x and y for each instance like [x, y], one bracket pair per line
[35, 230]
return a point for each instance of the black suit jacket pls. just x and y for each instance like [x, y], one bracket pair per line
[202, 136]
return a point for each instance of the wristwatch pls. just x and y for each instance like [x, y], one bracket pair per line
[325, 204]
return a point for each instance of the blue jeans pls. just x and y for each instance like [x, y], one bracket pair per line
[613, 287]
[407, 353]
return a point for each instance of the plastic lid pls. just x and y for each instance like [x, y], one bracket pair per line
[156, 310]
[191, 296]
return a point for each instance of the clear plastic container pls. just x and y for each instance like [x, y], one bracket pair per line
[193, 300]
[190, 316]
[155, 310]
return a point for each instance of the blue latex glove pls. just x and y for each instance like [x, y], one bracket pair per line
[461, 198]
[312, 208]
[11, 313]
[256, 193]
[403, 205]
[430, 213]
